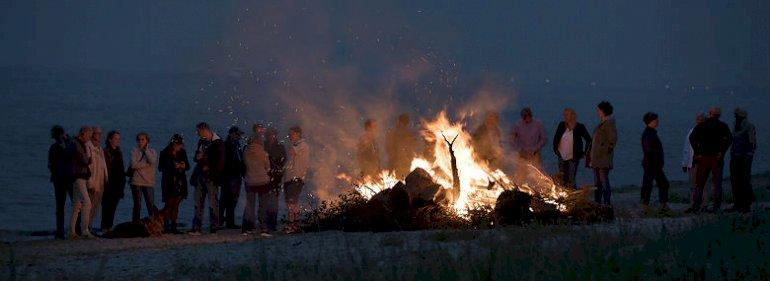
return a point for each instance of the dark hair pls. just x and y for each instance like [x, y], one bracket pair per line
[649, 117]
[368, 123]
[606, 108]
[110, 134]
[56, 131]
[296, 129]
[526, 111]
[146, 135]
[203, 125]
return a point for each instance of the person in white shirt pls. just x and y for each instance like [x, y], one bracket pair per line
[570, 144]
[296, 172]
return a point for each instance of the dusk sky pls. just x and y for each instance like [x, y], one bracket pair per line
[699, 42]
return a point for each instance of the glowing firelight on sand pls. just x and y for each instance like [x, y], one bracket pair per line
[475, 176]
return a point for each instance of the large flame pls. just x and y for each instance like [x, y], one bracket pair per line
[479, 184]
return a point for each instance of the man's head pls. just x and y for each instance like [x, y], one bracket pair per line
[295, 133]
[403, 120]
[142, 140]
[96, 136]
[271, 134]
[113, 139]
[741, 113]
[715, 112]
[85, 133]
[204, 131]
[651, 119]
[176, 142]
[234, 133]
[258, 129]
[570, 116]
[604, 109]
[526, 115]
[370, 126]
[57, 132]
[700, 118]
[492, 119]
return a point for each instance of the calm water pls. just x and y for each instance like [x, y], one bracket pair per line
[164, 104]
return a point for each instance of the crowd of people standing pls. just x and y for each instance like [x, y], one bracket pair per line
[94, 178]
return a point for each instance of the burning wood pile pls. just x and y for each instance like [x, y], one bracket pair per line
[454, 190]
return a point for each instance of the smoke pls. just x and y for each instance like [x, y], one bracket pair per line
[327, 70]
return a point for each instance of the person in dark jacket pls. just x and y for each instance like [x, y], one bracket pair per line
[81, 208]
[652, 162]
[276, 153]
[570, 144]
[741, 157]
[173, 166]
[116, 179]
[60, 166]
[234, 170]
[208, 176]
[710, 141]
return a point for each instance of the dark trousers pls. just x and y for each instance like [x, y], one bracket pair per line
[137, 192]
[109, 205]
[568, 170]
[654, 174]
[62, 189]
[603, 190]
[204, 188]
[228, 201]
[268, 207]
[712, 165]
[740, 178]
[293, 189]
[172, 211]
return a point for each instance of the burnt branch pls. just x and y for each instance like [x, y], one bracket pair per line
[455, 172]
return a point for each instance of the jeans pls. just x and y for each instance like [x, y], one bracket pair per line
[205, 188]
[81, 208]
[229, 200]
[568, 170]
[740, 179]
[268, 208]
[109, 205]
[136, 193]
[656, 174]
[62, 188]
[708, 165]
[172, 211]
[603, 189]
[293, 189]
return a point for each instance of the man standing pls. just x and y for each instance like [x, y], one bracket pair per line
[528, 138]
[296, 171]
[486, 141]
[99, 175]
[600, 157]
[81, 159]
[400, 145]
[570, 144]
[653, 164]
[688, 165]
[710, 142]
[60, 166]
[234, 170]
[207, 176]
[368, 152]
[741, 157]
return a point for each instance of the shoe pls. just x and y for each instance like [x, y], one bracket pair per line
[194, 232]
[88, 235]
[265, 234]
[74, 236]
[646, 211]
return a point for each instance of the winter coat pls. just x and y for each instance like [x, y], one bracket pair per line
[652, 148]
[744, 138]
[81, 159]
[711, 138]
[277, 154]
[234, 168]
[116, 173]
[173, 181]
[143, 163]
[603, 143]
[579, 134]
[212, 166]
[60, 162]
[257, 164]
[528, 137]
[298, 162]
[98, 168]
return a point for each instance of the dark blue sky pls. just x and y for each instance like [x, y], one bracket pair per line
[614, 42]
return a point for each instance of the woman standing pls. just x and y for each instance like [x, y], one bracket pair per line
[173, 166]
[142, 172]
[257, 164]
[116, 179]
